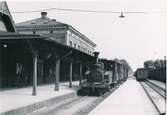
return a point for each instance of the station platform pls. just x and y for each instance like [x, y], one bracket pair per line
[129, 99]
[20, 101]
[158, 83]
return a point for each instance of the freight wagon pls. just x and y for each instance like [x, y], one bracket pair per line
[108, 71]
[141, 74]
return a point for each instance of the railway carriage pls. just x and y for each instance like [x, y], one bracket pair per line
[141, 74]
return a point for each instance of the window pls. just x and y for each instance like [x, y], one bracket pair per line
[34, 31]
[74, 45]
[77, 37]
[73, 35]
[79, 47]
[71, 43]
[51, 31]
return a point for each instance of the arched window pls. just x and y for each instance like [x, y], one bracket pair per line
[34, 31]
[51, 31]
[71, 43]
[75, 45]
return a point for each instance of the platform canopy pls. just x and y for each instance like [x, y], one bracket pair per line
[43, 45]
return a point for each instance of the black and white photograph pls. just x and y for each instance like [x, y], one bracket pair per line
[83, 57]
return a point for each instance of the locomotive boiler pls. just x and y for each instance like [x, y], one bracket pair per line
[94, 83]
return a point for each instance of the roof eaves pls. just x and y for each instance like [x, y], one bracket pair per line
[12, 35]
[73, 29]
[71, 48]
[42, 27]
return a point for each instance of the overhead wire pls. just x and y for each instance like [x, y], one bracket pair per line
[83, 10]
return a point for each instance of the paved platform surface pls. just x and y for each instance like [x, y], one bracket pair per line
[129, 99]
[22, 97]
[160, 84]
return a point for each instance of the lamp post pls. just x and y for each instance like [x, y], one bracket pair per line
[165, 62]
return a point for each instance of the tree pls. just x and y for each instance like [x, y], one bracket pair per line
[149, 64]
[159, 63]
[126, 64]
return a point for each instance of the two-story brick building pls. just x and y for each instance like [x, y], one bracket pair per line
[60, 32]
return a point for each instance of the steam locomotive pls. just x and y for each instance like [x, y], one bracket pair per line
[94, 83]
[102, 76]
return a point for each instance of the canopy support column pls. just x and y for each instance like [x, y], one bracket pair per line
[71, 69]
[57, 77]
[35, 60]
[80, 76]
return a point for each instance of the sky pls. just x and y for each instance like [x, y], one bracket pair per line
[135, 38]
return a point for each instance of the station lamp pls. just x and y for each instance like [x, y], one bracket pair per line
[5, 45]
[121, 16]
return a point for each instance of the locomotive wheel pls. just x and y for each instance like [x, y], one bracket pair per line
[99, 92]
[81, 92]
[84, 91]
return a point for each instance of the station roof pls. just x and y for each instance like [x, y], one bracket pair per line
[40, 22]
[45, 22]
[14, 35]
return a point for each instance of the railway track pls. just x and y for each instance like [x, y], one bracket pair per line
[157, 86]
[156, 96]
[158, 89]
[78, 105]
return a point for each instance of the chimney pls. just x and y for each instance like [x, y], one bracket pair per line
[43, 14]
[96, 55]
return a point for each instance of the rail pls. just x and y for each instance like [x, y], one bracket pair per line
[158, 89]
[157, 99]
[157, 85]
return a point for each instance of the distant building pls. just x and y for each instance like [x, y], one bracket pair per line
[60, 32]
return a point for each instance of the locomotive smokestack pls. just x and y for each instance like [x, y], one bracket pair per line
[96, 55]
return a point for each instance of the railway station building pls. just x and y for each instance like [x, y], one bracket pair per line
[31, 59]
[58, 31]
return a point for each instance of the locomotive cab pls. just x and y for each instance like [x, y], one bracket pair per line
[95, 84]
